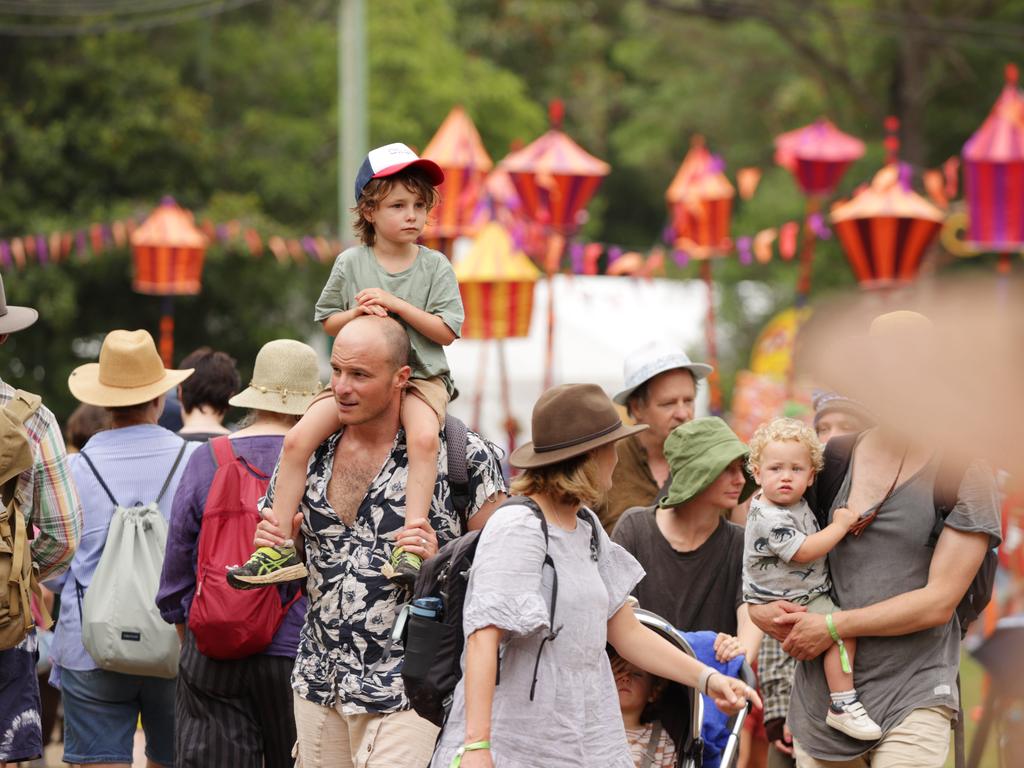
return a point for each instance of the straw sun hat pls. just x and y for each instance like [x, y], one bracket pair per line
[285, 379]
[129, 372]
[570, 420]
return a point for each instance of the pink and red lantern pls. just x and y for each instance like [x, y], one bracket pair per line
[457, 148]
[817, 155]
[885, 230]
[993, 161]
[555, 179]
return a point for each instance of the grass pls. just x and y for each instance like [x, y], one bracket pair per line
[971, 676]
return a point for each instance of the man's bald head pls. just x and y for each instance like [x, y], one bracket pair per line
[385, 333]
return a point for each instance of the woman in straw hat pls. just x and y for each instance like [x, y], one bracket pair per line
[557, 702]
[136, 459]
[217, 720]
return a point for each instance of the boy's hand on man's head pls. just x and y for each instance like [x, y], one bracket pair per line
[377, 297]
[374, 310]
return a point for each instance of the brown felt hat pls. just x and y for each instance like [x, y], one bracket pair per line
[129, 372]
[570, 420]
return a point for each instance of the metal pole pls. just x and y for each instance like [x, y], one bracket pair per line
[353, 116]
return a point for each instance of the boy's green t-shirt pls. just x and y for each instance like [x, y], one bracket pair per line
[429, 284]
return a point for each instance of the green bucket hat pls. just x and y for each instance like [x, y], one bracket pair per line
[697, 453]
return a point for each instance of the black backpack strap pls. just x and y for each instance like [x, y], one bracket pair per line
[170, 475]
[456, 435]
[822, 494]
[102, 483]
[595, 532]
[946, 494]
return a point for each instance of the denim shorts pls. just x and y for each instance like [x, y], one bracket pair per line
[102, 709]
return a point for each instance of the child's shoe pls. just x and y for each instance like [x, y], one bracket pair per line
[268, 565]
[853, 720]
[403, 568]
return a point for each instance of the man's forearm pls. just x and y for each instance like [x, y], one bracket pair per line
[957, 558]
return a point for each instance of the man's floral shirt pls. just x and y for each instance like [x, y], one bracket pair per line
[352, 607]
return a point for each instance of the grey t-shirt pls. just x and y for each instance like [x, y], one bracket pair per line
[773, 536]
[428, 284]
[894, 675]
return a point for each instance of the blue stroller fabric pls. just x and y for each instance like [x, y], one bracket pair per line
[715, 729]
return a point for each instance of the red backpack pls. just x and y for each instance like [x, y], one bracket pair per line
[228, 623]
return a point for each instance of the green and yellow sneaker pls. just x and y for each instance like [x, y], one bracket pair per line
[268, 565]
[403, 568]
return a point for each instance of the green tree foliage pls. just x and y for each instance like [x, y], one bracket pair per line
[236, 116]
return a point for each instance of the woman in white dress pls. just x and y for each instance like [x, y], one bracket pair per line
[555, 702]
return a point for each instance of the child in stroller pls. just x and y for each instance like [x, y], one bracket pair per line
[640, 694]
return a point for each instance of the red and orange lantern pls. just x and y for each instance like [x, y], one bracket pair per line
[168, 251]
[457, 148]
[167, 254]
[993, 161]
[700, 202]
[885, 230]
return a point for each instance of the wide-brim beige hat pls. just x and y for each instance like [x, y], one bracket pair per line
[12, 318]
[570, 420]
[130, 372]
[285, 379]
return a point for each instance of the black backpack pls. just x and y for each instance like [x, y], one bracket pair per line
[456, 434]
[826, 487]
[432, 665]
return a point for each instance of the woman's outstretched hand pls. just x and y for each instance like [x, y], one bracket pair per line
[731, 695]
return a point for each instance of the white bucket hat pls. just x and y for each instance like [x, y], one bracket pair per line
[285, 379]
[648, 361]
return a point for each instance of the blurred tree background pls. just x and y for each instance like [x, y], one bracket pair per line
[236, 117]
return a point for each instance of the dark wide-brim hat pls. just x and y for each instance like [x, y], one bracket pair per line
[570, 420]
[12, 318]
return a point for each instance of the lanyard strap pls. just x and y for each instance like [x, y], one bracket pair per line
[858, 528]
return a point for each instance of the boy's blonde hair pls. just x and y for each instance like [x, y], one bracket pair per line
[377, 189]
[573, 481]
[786, 430]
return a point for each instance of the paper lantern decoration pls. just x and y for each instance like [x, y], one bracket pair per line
[993, 160]
[457, 148]
[700, 201]
[496, 281]
[168, 251]
[885, 229]
[555, 179]
[817, 155]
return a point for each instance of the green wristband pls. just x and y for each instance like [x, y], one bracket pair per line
[476, 745]
[844, 657]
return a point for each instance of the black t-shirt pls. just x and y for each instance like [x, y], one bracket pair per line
[698, 590]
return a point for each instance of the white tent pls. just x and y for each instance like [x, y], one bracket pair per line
[599, 320]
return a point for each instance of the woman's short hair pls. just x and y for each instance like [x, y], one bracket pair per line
[573, 481]
[214, 382]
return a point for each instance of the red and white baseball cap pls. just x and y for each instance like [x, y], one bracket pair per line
[389, 160]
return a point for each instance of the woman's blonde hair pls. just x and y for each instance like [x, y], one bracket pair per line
[573, 481]
[786, 430]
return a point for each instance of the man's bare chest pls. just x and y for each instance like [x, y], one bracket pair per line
[350, 480]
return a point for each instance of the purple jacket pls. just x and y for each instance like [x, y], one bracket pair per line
[178, 579]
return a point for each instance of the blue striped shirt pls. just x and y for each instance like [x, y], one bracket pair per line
[134, 463]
